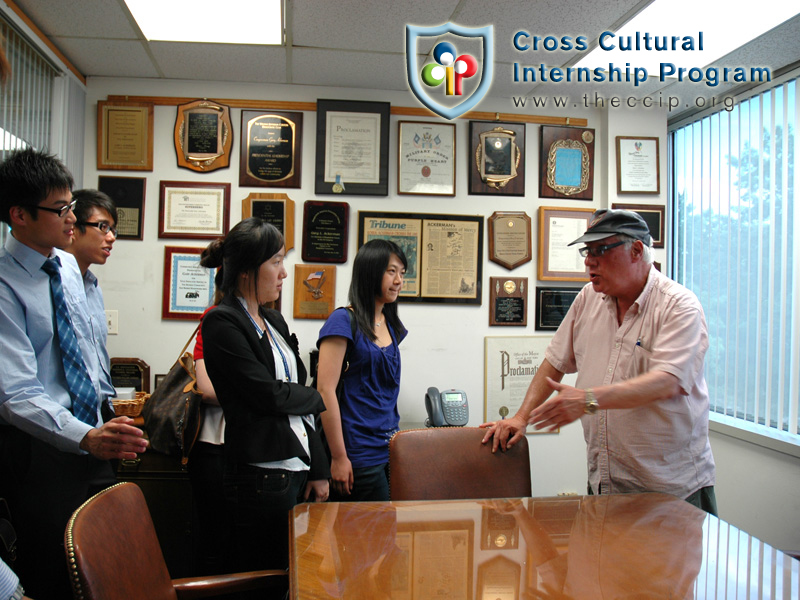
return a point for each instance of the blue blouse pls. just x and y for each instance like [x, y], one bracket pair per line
[369, 398]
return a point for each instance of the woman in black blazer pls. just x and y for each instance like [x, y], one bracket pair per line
[274, 456]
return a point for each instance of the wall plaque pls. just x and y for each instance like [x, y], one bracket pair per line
[496, 158]
[508, 303]
[314, 290]
[125, 135]
[277, 209]
[130, 372]
[566, 163]
[203, 135]
[325, 226]
[552, 305]
[509, 238]
[271, 149]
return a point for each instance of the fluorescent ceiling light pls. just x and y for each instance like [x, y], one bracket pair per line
[228, 22]
[725, 26]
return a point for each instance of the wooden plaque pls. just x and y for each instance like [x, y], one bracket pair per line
[271, 149]
[496, 158]
[277, 209]
[566, 163]
[125, 136]
[203, 136]
[130, 372]
[325, 227]
[314, 291]
[508, 301]
[510, 239]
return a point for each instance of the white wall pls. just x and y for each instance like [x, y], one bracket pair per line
[445, 344]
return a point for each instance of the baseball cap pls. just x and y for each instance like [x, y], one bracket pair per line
[606, 222]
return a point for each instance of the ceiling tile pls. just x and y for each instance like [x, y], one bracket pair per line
[349, 69]
[80, 18]
[107, 58]
[221, 62]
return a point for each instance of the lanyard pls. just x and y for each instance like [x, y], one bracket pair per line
[273, 336]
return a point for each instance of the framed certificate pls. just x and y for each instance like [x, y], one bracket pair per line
[638, 167]
[271, 149]
[193, 210]
[653, 215]
[188, 287]
[352, 148]
[559, 227]
[128, 196]
[125, 136]
[426, 158]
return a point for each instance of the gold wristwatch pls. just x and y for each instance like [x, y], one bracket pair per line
[591, 402]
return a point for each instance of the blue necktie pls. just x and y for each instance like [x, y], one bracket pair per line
[81, 388]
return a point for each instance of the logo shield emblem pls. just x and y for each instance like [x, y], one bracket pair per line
[486, 34]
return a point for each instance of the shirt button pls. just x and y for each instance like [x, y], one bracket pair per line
[610, 369]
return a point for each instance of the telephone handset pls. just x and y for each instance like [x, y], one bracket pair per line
[446, 409]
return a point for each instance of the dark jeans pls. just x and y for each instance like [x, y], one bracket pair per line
[258, 501]
[206, 472]
[43, 486]
[370, 484]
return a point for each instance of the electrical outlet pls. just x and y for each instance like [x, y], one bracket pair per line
[112, 320]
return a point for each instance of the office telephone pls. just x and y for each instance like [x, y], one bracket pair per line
[446, 409]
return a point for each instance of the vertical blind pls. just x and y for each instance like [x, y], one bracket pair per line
[733, 193]
[25, 99]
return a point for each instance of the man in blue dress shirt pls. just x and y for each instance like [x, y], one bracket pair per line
[50, 460]
[94, 236]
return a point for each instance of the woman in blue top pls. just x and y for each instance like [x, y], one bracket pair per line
[359, 424]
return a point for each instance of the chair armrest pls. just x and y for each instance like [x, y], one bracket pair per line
[188, 588]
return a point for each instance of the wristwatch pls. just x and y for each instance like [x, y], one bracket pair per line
[18, 594]
[591, 402]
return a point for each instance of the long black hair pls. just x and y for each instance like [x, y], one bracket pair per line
[369, 267]
[247, 246]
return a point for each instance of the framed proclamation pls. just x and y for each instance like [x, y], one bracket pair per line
[188, 287]
[193, 210]
[277, 209]
[426, 158]
[125, 136]
[352, 148]
[271, 149]
[325, 227]
[566, 167]
[128, 196]
[509, 238]
[508, 301]
[638, 167]
[496, 158]
[203, 136]
[444, 253]
[559, 227]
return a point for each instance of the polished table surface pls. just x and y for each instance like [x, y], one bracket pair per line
[582, 547]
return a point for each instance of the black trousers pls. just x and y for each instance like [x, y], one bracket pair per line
[43, 487]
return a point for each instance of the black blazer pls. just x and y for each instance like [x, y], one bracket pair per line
[242, 369]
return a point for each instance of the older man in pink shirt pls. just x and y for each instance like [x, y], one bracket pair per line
[637, 341]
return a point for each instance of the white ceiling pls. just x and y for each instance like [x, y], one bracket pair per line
[361, 43]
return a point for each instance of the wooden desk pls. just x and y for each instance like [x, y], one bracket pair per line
[633, 546]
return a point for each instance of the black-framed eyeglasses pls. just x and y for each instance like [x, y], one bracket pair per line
[60, 211]
[598, 251]
[103, 226]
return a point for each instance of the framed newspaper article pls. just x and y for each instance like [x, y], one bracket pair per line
[444, 253]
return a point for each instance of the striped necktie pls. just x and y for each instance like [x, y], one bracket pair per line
[81, 388]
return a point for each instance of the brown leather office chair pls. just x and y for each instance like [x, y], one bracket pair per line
[113, 554]
[448, 463]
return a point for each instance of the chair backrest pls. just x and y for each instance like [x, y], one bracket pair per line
[112, 549]
[448, 463]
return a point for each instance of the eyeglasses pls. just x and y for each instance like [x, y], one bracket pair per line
[598, 251]
[60, 211]
[103, 226]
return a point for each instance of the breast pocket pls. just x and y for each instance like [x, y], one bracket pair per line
[640, 362]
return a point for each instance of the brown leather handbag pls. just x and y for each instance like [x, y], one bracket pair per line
[172, 415]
